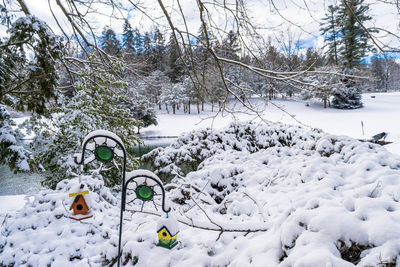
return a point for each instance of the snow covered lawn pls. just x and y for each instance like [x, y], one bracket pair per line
[260, 195]
[379, 114]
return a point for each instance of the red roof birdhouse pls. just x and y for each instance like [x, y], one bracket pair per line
[80, 207]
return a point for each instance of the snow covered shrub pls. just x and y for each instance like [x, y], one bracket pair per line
[12, 152]
[42, 234]
[95, 105]
[348, 94]
[321, 86]
[191, 149]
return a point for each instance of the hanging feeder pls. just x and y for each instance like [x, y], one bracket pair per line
[80, 205]
[168, 229]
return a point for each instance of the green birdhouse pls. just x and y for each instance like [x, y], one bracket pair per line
[168, 229]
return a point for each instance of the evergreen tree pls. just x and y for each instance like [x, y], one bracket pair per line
[174, 62]
[230, 46]
[109, 42]
[143, 111]
[28, 79]
[138, 41]
[313, 59]
[331, 31]
[159, 50]
[348, 94]
[128, 38]
[354, 37]
[380, 73]
[97, 104]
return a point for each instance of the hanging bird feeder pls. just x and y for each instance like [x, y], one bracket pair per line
[168, 229]
[80, 205]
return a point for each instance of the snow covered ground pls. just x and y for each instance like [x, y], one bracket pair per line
[272, 195]
[326, 201]
[379, 114]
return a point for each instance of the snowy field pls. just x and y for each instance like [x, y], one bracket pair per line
[380, 114]
[261, 195]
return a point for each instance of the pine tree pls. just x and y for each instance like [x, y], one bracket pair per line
[348, 94]
[28, 80]
[128, 38]
[230, 46]
[313, 59]
[99, 103]
[159, 49]
[354, 37]
[109, 42]
[143, 111]
[174, 61]
[331, 30]
[138, 41]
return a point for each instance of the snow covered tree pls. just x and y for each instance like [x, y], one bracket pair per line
[28, 56]
[354, 37]
[380, 72]
[109, 42]
[322, 86]
[230, 47]
[175, 68]
[128, 38]
[159, 50]
[99, 103]
[28, 78]
[348, 94]
[173, 94]
[331, 31]
[143, 111]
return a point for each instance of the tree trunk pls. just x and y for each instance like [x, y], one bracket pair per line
[189, 107]
[202, 105]
[325, 102]
[159, 106]
[212, 106]
[166, 107]
[173, 108]
[198, 107]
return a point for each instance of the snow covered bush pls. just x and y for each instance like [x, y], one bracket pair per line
[291, 197]
[12, 153]
[191, 149]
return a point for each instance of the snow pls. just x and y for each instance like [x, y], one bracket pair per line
[283, 195]
[379, 114]
[170, 222]
[290, 197]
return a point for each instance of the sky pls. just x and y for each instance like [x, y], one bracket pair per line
[272, 18]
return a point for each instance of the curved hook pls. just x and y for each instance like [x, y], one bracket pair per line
[152, 176]
[79, 158]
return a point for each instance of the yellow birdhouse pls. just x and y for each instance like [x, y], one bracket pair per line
[168, 229]
[80, 205]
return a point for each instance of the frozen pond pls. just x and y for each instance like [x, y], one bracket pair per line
[18, 184]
